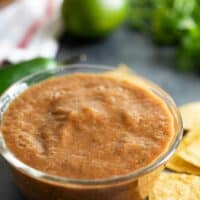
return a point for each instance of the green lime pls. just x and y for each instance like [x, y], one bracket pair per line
[93, 18]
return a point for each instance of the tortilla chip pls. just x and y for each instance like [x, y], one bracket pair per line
[122, 71]
[171, 186]
[179, 165]
[190, 147]
[181, 161]
[191, 153]
[188, 139]
[190, 114]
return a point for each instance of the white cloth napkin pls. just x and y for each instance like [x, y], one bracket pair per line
[28, 29]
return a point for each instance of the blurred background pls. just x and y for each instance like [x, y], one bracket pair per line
[159, 39]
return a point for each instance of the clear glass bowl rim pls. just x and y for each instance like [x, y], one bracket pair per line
[42, 176]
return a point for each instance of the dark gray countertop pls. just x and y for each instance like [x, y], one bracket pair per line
[137, 51]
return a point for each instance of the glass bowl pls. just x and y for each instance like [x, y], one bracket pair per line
[37, 185]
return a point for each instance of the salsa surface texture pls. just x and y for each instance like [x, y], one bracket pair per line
[87, 126]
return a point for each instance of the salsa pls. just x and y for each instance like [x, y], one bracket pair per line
[87, 126]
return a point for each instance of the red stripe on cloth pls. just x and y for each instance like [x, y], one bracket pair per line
[35, 26]
[50, 8]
